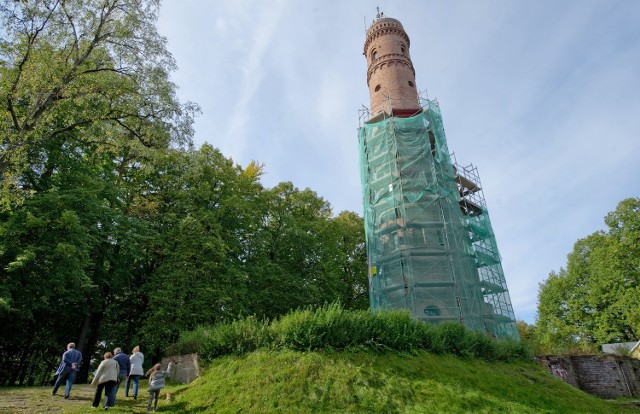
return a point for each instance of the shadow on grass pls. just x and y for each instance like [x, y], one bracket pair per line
[80, 398]
[180, 407]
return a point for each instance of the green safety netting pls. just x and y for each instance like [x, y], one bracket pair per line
[426, 253]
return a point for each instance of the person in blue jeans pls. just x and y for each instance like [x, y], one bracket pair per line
[125, 367]
[137, 359]
[67, 370]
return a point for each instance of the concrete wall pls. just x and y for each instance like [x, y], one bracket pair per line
[620, 348]
[608, 376]
[186, 368]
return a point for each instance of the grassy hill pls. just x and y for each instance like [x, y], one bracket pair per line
[332, 360]
[347, 382]
[363, 382]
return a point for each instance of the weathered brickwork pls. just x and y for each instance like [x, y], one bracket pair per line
[186, 370]
[608, 376]
[390, 75]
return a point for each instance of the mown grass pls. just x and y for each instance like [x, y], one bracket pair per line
[333, 328]
[34, 400]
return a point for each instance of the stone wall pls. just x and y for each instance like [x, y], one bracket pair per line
[608, 376]
[186, 368]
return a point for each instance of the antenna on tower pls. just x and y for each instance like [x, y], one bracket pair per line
[378, 15]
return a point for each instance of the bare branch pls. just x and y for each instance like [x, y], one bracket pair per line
[98, 37]
[76, 42]
[121, 71]
[14, 85]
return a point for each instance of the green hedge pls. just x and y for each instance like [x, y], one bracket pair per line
[332, 327]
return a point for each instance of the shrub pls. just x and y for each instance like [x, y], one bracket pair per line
[190, 342]
[333, 327]
[509, 350]
[237, 337]
[449, 338]
[479, 345]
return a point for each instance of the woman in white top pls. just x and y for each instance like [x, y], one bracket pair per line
[137, 359]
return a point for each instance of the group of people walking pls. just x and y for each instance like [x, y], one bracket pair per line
[115, 368]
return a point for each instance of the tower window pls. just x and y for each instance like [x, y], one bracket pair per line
[402, 49]
[374, 55]
[377, 88]
[432, 310]
[411, 84]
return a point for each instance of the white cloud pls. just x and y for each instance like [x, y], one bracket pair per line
[235, 140]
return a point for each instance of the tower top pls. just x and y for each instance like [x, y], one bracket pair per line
[385, 24]
[390, 73]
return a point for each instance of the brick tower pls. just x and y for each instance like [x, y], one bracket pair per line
[430, 245]
[390, 74]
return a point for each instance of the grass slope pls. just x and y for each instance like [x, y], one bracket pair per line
[345, 382]
[364, 382]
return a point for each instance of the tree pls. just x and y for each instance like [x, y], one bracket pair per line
[114, 230]
[348, 258]
[87, 104]
[301, 256]
[284, 258]
[595, 300]
[87, 71]
[208, 222]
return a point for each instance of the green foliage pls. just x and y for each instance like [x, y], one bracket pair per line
[595, 299]
[451, 338]
[300, 256]
[88, 103]
[199, 280]
[91, 72]
[114, 230]
[331, 327]
[230, 248]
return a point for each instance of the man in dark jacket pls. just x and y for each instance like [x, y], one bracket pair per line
[125, 369]
[69, 366]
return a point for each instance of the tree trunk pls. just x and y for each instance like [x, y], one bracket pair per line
[15, 373]
[84, 331]
[29, 376]
[90, 345]
[47, 372]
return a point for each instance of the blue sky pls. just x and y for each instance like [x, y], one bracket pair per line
[544, 97]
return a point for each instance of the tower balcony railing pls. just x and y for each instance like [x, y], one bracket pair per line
[385, 109]
[365, 114]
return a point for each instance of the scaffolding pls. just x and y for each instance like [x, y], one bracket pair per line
[430, 245]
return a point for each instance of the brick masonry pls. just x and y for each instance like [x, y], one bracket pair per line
[390, 74]
[608, 376]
